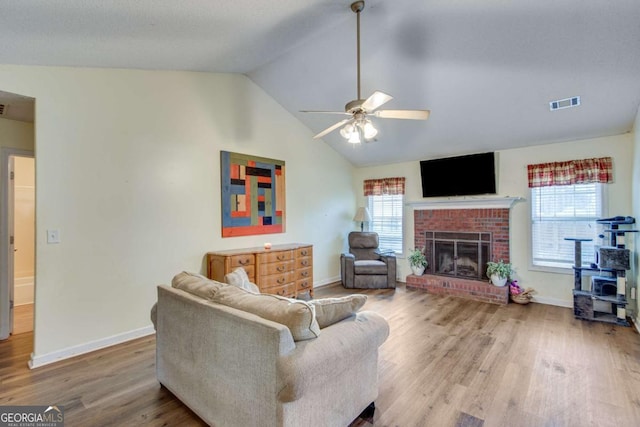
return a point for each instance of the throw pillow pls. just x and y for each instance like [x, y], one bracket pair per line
[296, 315]
[333, 310]
[196, 284]
[239, 278]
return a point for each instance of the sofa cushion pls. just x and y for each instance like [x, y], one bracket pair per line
[370, 267]
[239, 278]
[298, 316]
[333, 310]
[196, 284]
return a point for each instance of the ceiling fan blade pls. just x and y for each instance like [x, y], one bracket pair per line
[325, 112]
[332, 128]
[376, 100]
[403, 114]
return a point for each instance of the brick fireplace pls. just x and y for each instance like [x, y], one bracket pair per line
[459, 239]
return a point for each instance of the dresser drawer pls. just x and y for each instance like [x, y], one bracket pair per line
[304, 262]
[218, 265]
[278, 256]
[288, 290]
[304, 273]
[275, 280]
[306, 251]
[241, 260]
[276, 268]
[304, 285]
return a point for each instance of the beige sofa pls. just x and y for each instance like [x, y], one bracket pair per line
[236, 368]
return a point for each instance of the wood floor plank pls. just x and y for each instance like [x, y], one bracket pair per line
[447, 362]
[22, 318]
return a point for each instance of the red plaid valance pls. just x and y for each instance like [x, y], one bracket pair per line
[384, 186]
[571, 172]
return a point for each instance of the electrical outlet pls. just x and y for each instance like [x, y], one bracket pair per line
[53, 236]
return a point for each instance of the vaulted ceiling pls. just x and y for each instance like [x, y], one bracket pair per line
[486, 70]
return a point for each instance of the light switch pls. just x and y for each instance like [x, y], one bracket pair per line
[53, 236]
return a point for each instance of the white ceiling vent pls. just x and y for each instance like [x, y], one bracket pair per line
[3, 109]
[561, 104]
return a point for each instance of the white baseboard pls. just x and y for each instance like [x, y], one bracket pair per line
[23, 290]
[66, 353]
[326, 282]
[553, 301]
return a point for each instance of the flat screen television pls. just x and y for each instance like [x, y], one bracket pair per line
[459, 176]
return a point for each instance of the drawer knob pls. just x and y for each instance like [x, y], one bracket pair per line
[280, 268]
[244, 261]
[304, 273]
[280, 257]
[305, 262]
[303, 252]
[280, 280]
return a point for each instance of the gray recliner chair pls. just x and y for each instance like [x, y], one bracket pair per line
[364, 266]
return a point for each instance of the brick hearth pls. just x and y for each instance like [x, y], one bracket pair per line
[470, 289]
[495, 221]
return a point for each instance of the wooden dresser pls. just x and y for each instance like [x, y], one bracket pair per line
[285, 270]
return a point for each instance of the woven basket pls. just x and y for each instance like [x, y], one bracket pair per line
[520, 299]
[524, 297]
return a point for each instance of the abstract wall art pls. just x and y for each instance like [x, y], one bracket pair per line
[253, 195]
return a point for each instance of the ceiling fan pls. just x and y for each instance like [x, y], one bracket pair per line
[358, 126]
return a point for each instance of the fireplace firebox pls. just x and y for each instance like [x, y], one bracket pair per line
[458, 254]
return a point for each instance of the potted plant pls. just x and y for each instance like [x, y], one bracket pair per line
[417, 261]
[498, 272]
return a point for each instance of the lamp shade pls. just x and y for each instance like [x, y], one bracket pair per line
[362, 215]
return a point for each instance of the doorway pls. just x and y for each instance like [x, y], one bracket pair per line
[17, 269]
[24, 243]
[17, 145]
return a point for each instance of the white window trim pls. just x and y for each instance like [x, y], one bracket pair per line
[557, 270]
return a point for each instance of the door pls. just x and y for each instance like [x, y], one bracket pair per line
[12, 241]
[6, 287]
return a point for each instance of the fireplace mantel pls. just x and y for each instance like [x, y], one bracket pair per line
[465, 203]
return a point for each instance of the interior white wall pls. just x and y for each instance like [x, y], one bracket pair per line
[552, 288]
[128, 172]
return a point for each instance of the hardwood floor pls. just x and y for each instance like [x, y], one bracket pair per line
[447, 362]
[22, 319]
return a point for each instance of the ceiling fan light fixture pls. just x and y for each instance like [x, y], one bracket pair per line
[370, 131]
[347, 130]
[351, 133]
[354, 138]
[362, 129]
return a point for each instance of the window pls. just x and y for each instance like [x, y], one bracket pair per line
[561, 211]
[386, 220]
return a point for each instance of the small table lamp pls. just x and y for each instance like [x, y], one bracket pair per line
[362, 215]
